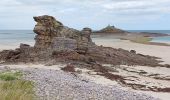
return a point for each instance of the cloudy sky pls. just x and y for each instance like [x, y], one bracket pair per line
[125, 14]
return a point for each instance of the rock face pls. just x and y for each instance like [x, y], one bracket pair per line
[48, 28]
[61, 43]
[57, 43]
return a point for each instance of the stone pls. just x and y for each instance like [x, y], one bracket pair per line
[69, 68]
[79, 71]
[86, 32]
[167, 65]
[133, 51]
[24, 46]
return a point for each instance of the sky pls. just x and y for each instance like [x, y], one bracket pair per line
[96, 14]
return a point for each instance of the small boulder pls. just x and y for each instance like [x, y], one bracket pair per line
[69, 68]
[133, 51]
[24, 46]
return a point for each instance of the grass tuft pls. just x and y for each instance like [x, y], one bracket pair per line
[9, 76]
[12, 87]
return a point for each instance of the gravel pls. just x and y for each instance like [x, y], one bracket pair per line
[59, 85]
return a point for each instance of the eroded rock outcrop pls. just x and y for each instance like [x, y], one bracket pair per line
[47, 28]
[57, 43]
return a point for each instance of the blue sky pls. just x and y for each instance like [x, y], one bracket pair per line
[125, 14]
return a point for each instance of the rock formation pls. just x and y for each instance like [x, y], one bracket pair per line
[57, 43]
[48, 28]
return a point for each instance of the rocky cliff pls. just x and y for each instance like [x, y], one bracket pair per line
[55, 43]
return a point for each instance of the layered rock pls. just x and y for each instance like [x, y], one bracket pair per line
[61, 43]
[48, 28]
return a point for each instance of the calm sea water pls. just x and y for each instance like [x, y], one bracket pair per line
[13, 37]
[27, 36]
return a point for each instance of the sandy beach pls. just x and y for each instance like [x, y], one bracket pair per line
[13, 46]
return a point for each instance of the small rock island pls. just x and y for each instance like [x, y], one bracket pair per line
[112, 30]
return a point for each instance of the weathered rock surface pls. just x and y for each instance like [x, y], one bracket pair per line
[48, 28]
[58, 43]
[61, 43]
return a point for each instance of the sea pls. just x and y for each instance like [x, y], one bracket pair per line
[15, 37]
